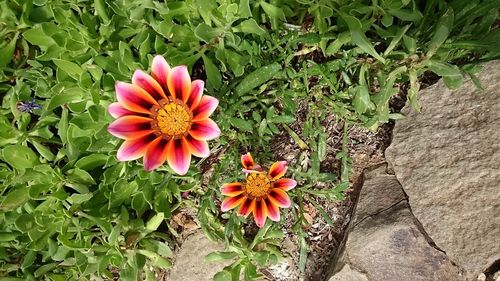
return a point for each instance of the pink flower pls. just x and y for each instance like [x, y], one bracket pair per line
[163, 117]
[262, 193]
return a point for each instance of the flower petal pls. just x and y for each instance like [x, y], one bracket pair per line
[148, 84]
[247, 161]
[273, 211]
[179, 155]
[247, 207]
[159, 71]
[204, 130]
[130, 127]
[135, 148]
[156, 154]
[179, 83]
[260, 213]
[232, 189]
[196, 92]
[278, 169]
[134, 98]
[279, 197]
[199, 148]
[285, 184]
[205, 108]
[231, 202]
[116, 110]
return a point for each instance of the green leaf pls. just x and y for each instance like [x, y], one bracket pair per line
[154, 222]
[222, 276]
[257, 78]
[43, 150]
[396, 39]
[220, 256]
[282, 119]
[249, 26]
[272, 11]
[15, 199]
[71, 68]
[7, 51]
[443, 29]
[359, 38]
[213, 74]
[244, 9]
[206, 33]
[322, 146]
[77, 175]
[37, 37]
[241, 124]
[62, 127]
[100, 8]
[92, 161]
[361, 100]
[19, 157]
[79, 198]
[302, 253]
[452, 76]
[44, 269]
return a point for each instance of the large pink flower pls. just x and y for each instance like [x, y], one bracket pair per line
[163, 117]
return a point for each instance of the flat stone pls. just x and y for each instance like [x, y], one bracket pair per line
[447, 159]
[384, 243]
[189, 263]
[349, 274]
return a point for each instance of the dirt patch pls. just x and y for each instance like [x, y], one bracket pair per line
[323, 239]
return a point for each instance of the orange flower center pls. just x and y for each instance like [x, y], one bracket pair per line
[172, 118]
[257, 185]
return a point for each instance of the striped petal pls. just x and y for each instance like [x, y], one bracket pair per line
[117, 111]
[205, 108]
[247, 207]
[199, 148]
[134, 98]
[232, 189]
[260, 213]
[135, 148]
[279, 197]
[273, 211]
[196, 92]
[247, 161]
[130, 127]
[179, 83]
[285, 184]
[204, 130]
[179, 155]
[159, 71]
[278, 169]
[231, 202]
[156, 154]
[148, 84]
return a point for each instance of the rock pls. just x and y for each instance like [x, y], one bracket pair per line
[447, 159]
[189, 263]
[384, 243]
[348, 274]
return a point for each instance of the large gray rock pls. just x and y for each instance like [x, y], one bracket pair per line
[447, 159]
[189, 263]
[384, 243]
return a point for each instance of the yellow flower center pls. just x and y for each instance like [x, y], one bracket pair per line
[257, 185]
[172, 118]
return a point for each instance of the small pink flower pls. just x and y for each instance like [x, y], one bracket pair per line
[262, 193]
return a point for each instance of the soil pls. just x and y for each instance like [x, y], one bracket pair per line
[366, 148]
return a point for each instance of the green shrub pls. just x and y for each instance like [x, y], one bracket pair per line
[69, 210]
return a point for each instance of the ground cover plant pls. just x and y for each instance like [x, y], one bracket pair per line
[70, 210]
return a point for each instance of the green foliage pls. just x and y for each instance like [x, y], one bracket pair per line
[70, 211]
